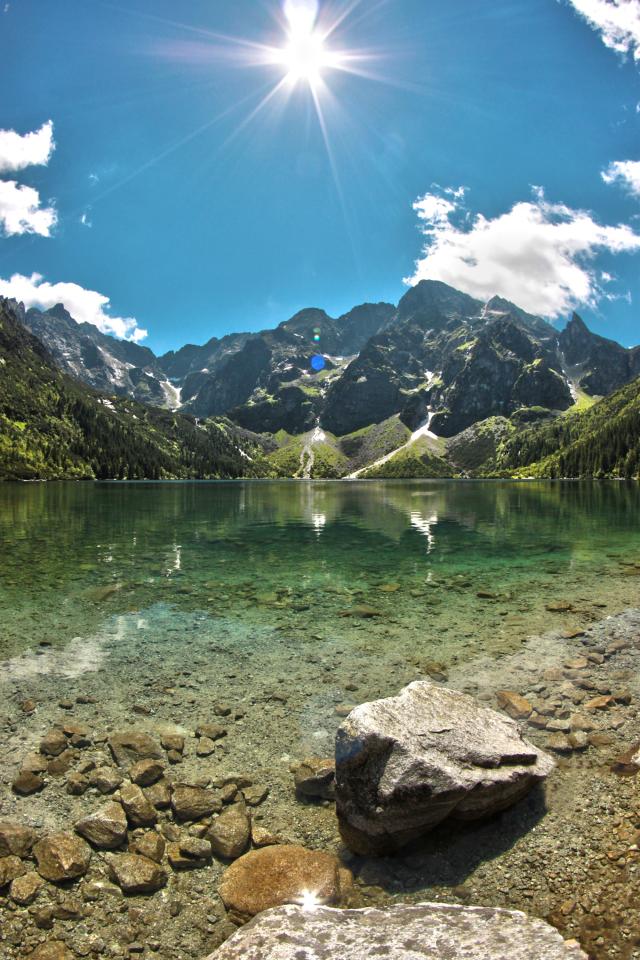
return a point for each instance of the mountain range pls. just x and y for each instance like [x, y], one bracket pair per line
[439, 385]
[52, 426]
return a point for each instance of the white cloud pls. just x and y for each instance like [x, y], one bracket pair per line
[33, 149]
[617, 20]
[20, 211]
[85, 306]
[626, 172]
[539, 254]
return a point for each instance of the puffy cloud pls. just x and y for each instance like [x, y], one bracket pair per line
[85, 306]
[626, 172]
[618, 21]
[20, 211]
[33, 149]
[539, 254]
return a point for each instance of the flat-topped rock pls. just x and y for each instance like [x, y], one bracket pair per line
[425, 931]
[406, 763]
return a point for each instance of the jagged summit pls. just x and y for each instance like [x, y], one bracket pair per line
[439, 351]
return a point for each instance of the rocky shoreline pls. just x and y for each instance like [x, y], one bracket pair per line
[121, 836]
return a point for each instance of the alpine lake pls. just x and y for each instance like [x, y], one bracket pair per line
[274, 607]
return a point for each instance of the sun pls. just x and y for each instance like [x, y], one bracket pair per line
[305, 58]
[306, 55]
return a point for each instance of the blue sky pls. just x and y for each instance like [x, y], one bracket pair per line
[195, 219]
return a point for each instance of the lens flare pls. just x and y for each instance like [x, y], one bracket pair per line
[301, 15]
[318, 363]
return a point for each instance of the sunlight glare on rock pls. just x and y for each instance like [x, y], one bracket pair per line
[309, 900]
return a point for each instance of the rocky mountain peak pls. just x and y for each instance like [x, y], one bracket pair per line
[432, 301]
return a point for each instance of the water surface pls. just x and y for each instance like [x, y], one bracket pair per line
[406, 561]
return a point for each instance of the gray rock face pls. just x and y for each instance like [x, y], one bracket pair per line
[425, 931]
[406, 763]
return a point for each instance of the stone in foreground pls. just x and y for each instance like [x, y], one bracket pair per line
[276, 875]
[424, 931]
[406, 763]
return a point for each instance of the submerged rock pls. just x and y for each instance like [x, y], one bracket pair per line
[276, 875]
[10, 869]
[138, 808]
[405, 763]
[53, 743]
[516, 706]
[136, 874]
[189, 852]
[131, 746]
[26, 888]
[27, 783]
[62, 856]
[190, 802]
[150, 845]
[315, 778]
[144, 773]
[53, 950]
[106, 828]
[105, 780]
[432, 931]
[230, 833]
[15, 839]
[628, 763]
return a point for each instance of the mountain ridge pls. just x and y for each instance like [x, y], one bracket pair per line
[436, 350]
[438, 384]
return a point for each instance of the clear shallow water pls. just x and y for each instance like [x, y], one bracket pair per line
[292, 601]
[400, 562]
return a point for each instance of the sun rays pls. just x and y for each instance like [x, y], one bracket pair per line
[302, 53]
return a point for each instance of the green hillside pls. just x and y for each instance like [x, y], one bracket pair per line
[601, 441]
[53, 427]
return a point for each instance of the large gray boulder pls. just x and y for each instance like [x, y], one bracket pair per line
[425, 931]
[406, 763]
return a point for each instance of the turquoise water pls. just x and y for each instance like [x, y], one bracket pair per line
[406, 560]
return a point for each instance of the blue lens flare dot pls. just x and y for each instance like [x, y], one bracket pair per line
[318, 363]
